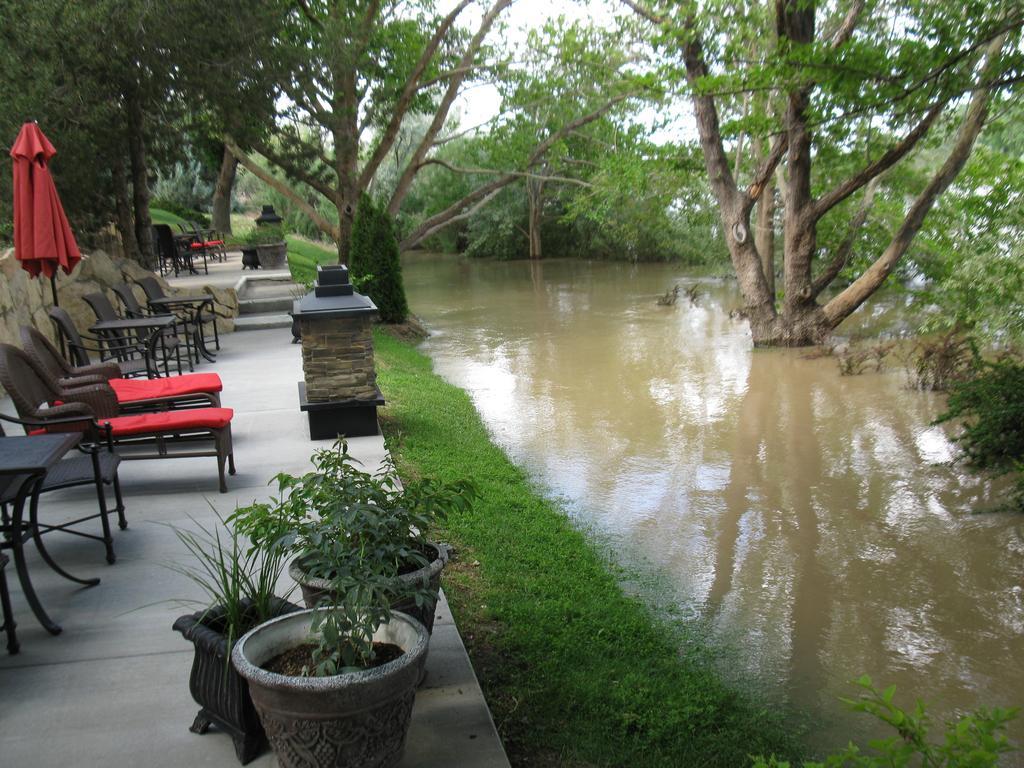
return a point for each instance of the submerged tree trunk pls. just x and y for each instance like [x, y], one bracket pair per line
[123, 208]
[535, 199]
[221, 218]
[140, 181]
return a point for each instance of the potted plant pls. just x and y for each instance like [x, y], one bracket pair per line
[270, 245]
[240, 583]
[334, 685]
[359, 512]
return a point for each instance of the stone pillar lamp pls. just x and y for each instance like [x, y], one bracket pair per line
[339, 394]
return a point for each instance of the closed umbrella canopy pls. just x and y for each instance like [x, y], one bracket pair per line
[42, 237]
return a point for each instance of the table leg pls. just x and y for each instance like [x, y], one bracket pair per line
[33, 519]
[33, 486]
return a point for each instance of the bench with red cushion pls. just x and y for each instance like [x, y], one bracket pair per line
[128, 390]
[208, 244]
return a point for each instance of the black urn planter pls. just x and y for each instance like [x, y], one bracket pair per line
[313, 588]
[217, 688]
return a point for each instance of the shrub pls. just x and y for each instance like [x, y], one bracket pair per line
[990, 407]
[374, 256]
[181, 211]
[973, 741]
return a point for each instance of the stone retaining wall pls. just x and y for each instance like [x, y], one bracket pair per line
[26, 301]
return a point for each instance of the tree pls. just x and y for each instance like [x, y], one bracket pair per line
[374, 258]
[846, 93]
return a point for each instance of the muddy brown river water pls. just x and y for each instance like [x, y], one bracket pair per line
[811, 520]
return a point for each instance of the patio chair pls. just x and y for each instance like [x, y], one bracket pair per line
[191, 390]
[126, 295]
[80, 347]
[92, 463]
[207, 239]
[194, 243]
[170, 254]
[120, 342]
[165, 434]
[191, 308]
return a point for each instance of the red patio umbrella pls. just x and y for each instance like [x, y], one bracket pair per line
[42, 236]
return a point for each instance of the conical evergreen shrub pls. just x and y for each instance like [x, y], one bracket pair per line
[374, 251]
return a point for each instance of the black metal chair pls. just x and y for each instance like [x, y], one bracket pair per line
[205, 239]
[173, 255]
[189, 309]
[126, 295]
[81, 347]
[122, 344]
[5, 609]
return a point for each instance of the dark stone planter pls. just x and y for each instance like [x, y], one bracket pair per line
[314, 588]
[352, 720]
[273, 255]
[216, 687]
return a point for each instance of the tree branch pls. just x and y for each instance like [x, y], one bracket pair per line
[296, 171]
[842, 305]
[830, 199]
[324, 225]
[441, 115]
[822, 281]
[494, 171]
[849, 24]
[408, 92]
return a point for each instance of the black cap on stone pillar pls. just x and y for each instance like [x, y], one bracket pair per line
[333, 296]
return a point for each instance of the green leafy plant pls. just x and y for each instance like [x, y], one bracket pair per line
[973, 741]
[267, 234]
[240, 582]
[359, 531]
[989, 407]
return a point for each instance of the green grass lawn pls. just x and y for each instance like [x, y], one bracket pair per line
[304, 256]
[160, 216]
[576, 672]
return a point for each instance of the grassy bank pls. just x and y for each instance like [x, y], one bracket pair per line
[575, 672]
[304, 255]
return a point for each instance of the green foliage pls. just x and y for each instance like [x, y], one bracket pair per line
[973, 741]
[160, 206]
[264, 234]
[183, 187]
[304, 257]
[575, 671]
[374, 257]
[989, 407]
[239, 581]
[359, 531]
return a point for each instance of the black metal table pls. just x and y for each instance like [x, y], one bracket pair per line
[197, 302]
[156, 324]
[24, 462]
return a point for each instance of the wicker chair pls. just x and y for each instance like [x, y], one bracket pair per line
[191, 390]
[165, 434]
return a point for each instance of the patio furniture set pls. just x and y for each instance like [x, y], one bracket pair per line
[119, 392]
[177, 251]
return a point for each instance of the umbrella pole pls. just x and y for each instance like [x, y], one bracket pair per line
[53, 287]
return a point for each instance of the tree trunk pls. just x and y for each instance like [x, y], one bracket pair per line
[123, 208]
[221, 219]
[764, 233]
[535, 198]
[140, 181]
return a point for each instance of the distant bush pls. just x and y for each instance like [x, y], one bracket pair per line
[374, 257]
[184, 186]
[989, 405]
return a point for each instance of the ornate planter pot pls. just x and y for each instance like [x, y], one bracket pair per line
[314, 588]
[273, 255]
[215, 685]
[356, 719]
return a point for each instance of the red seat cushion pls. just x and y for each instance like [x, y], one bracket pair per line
[128, 390]
[170, 421]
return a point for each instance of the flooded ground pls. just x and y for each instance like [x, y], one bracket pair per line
[811, 518]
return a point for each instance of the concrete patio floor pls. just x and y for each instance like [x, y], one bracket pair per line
[112, 689]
